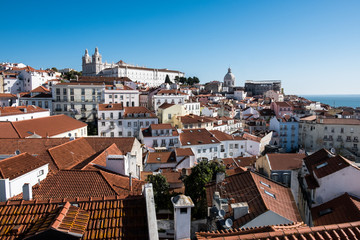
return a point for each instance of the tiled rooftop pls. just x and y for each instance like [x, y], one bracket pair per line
[345, 208]
[111, 107]
[285, 161]
[47, 126]
[18, 165]
[261, 194]
[69, 154]
[7, 130]
[349, 230]
[109, 217]
[197, 137]
[161, 157]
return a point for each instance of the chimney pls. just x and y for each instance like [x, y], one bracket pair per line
[130, 182]
[239, 209]
[182, 216]
[27, 192]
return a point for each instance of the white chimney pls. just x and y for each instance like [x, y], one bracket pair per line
[182, 216]
[117, 163]
[27, 192]
[240, 209]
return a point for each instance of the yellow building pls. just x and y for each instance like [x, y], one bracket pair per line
[167, 112]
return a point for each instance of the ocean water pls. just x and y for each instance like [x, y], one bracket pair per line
[351, 100]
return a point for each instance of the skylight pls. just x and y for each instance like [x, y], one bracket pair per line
[265, 184]
[270, 194]
[325, 211]
[212, 140]
[321, 165]
[188, 143]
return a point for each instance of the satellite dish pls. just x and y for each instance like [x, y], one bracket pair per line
[221, 213]
[228, 223]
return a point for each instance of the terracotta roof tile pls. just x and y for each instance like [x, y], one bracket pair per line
[71, 153]
[345, 208]
[252, 188]
[184, 152]
[161, 126]
[166, 105]
[144, 110]
[161, 157]
[40, 89]
[335, 231]
[285, 161]
[170, 92]
[192, 119]
[7, 130]
[47, 126]
[111, 107]
[197, 137]
[100, 159]
[109, 217]
[16, 166]
[7, 111]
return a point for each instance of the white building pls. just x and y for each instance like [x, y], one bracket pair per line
[12, 83]
[117, 121]
[122, 94]
[39, 96]
[316, 133]
[93, 66]
[18, 170]
[169, 96]
[33, 78]
[13, 114]
[78, 100]
[159, 136]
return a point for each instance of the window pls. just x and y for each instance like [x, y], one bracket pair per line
[41, 172]
[46, 104]
[183, 210]
[71, 91]
[58, 91]
[112, 134]
[83, 91]
[169, 116]
[199, 150]
[64, 91]
[129, 124]
[120, 134]
[236, 146]
[111, 115]
[72, 98]
[135, 124]
[129, 134]
[155, 143]
[103, 124]
[204, 150]
[270, 194]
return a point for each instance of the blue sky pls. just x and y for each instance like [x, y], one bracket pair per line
[313, 46]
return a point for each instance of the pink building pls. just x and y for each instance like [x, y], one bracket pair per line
[282, 108]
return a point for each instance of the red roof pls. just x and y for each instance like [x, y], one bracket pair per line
[261, 194]
[161, 157]
[345, 208]
[18, 165]
[111, 107]
[68, 155]
[8, 111]
[40, 89]
[184, 152]
[138, 110]
[161, 126]
[335, 231]
[7, 130]
[47, 126]
[197, 137]
[285, 161]
[85, 183]
[96, 218]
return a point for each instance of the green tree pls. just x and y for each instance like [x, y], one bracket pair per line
[167, 79]
[71, 75]
[202, 174]
[161, 191]
[54, 69]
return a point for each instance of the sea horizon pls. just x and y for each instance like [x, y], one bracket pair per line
[335, 100]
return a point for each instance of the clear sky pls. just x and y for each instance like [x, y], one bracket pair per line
[313, 46]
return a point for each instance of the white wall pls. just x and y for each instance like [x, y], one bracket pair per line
[16, 185]
[24, 116]
[268, 218]
[80, 132]
[336, 184]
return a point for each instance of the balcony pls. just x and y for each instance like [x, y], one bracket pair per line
[356, 140]
[58, 109]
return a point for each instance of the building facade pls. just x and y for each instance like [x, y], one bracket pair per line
[93, 66]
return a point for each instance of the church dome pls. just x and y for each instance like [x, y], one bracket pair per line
[229, 75]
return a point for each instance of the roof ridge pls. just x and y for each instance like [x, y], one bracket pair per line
[17, 132]
[107, 180]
